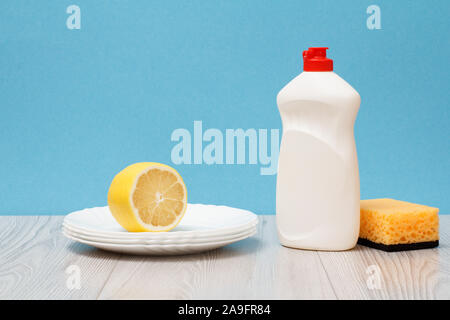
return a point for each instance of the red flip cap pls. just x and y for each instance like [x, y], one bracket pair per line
[315, 59]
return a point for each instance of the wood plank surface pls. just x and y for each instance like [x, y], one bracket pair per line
[34, 257]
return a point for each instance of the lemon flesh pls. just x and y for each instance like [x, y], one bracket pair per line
[147, 196]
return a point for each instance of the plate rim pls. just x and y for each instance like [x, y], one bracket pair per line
[159, 241]
[214, 245]
[253, 219]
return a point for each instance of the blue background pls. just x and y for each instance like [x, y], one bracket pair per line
[77, 106]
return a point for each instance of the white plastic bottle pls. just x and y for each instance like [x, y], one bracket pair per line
[318, 179]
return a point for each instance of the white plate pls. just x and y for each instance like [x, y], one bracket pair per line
[166, 249]
[88, 237]
[199, 221]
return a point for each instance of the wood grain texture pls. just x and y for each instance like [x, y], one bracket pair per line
[34, 256]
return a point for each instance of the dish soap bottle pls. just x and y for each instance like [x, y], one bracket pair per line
[318, 179]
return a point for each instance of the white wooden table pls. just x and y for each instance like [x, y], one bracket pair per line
[34, 257]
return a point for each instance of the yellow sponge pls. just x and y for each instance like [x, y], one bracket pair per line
[394, 225]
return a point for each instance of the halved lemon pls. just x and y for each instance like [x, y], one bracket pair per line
[147, 196]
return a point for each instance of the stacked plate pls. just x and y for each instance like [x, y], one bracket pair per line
[203, 227]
